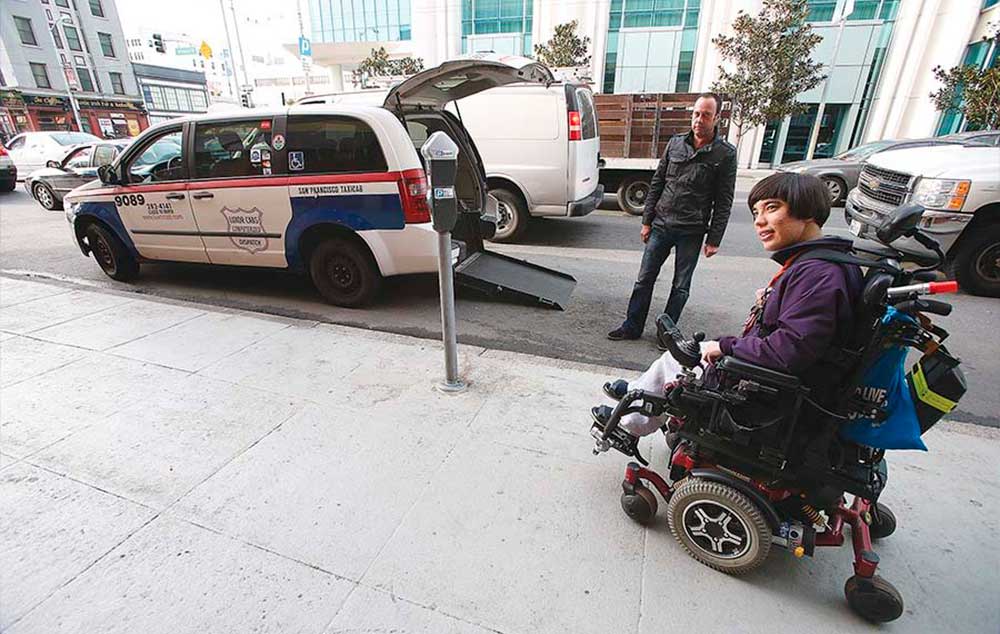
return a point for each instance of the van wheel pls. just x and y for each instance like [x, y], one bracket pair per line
[45, 197]
[977, 264]
[344, 273]
[512, 216]
[111, 254]
[632, 195]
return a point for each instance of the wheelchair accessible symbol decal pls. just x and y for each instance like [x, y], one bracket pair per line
[296, 161]
[246, 228]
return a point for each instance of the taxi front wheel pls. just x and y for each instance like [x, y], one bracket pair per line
[114, 259]
[344, 273]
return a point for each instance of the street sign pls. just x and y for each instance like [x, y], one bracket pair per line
[185, 50]
[205, 50]
[305, 47]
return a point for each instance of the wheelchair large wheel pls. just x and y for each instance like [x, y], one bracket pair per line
[719, 526]
[873, 599]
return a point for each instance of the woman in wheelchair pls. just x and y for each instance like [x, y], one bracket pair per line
[805, 310]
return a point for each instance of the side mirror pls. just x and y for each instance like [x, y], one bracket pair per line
[108, 175]
[55, 164]
[901, 222]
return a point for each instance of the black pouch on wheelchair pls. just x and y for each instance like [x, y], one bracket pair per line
[936, 385]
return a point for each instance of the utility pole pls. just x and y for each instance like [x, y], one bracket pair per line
[229, 47]
[305, 66]
[845, 10]
[66, 71]
[239, 44]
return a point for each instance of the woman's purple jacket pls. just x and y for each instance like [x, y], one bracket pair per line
[810, 309]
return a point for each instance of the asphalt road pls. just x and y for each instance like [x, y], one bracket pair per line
[602, 251]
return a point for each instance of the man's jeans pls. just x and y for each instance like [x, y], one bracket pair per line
[687, 248]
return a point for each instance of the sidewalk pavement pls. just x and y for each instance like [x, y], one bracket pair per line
[168, 467]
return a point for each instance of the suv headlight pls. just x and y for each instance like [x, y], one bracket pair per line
[940, 193]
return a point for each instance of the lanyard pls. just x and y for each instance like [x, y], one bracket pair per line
[757, 310]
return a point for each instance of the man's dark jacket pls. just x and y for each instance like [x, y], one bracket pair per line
[809, 311]
[692, 190]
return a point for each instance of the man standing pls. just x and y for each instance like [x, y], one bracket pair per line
[688, 204]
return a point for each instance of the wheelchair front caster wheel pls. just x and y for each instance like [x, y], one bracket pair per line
[641, 505]
[873, 599]
[883, 522]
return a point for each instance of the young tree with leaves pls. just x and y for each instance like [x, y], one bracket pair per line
[972, 90]
[565, 49]
[378, 64]
[770, 57]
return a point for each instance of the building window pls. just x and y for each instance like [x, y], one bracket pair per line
[25, 31]
[86, 84]
[982, 55]
[989, 3]
[72, 37]
[62, 3]
[107, 45]
[501, 26]
[360, 20]
[40, 74]
[824, 10]
[96, 8]
[117, 86]
[651, 45]
[55, 36]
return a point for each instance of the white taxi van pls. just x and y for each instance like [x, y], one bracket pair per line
[335, 191]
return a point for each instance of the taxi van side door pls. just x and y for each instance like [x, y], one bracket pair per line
[153, 203]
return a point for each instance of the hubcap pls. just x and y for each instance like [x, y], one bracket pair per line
[988, 263]
[504, 217]
[102, 251]
[343, 273]
[44, 197]
[716, 529]
[833, 187]
[636, 194]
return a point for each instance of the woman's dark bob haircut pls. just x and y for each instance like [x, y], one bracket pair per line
[806, 196]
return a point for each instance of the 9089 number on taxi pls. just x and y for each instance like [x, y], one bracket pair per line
[130, 200]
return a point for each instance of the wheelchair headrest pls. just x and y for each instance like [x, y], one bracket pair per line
[877, 283]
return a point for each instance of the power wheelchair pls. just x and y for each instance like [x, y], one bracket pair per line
[757, 462]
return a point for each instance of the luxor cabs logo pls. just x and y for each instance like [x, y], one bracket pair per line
[246, 228]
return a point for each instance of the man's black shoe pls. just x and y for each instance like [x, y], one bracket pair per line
[620, 334]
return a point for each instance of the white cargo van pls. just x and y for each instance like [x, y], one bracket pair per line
[539, 145]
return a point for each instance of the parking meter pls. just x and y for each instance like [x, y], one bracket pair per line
[441, 159]
[441, 156]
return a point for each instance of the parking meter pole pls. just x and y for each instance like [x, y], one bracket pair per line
[446, 281]
[441, 158]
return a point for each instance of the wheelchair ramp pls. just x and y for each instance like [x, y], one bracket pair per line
[503, 276]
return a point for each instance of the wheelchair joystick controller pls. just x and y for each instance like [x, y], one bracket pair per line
[687, 352]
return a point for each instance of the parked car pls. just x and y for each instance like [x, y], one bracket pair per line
[985, 137]
[335, 191]
[51, 183]
[8, 171]
[541, 160]
[840, 173]
[32, 150]
[959, 186]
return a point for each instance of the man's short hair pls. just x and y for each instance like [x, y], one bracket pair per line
[716, 97]
[806, 196]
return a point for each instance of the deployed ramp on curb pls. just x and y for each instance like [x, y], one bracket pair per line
[496, 275]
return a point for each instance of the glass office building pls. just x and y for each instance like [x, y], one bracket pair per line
[853, 82]
[651, 45]
[360, 20]
[983, 55]
[500, 26]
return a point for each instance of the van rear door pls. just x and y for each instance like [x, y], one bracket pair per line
[584, 142]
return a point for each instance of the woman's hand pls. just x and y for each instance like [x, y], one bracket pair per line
[710, 351]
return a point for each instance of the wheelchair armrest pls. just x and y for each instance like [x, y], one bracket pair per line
[767, 376]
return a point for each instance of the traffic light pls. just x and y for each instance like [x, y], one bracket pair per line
[158, 43]
[245, 100]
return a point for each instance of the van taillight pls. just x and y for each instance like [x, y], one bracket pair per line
[3, 151]
[413, 192]
[575, 128]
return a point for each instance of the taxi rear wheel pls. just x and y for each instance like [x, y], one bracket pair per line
[344, 273]
[112, 256]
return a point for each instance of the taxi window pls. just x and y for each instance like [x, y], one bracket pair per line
[80, 158]
[104, 154]
[160, 161]
[232, 149]
[319, 144]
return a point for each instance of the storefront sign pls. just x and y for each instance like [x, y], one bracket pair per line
[46, 101]
[108, 104]
[133, 127]
[11, 99]
[107, 128]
